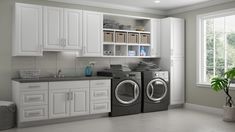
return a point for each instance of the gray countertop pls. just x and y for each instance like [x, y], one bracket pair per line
[52, 79]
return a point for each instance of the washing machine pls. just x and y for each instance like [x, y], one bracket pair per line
[156, 91]
[125, 92]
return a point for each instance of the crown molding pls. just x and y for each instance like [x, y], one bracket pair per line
[113, 6]
[145, 10]
[196, 6]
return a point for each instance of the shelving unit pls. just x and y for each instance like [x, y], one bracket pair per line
[127, 43]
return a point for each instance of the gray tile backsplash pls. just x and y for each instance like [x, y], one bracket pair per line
[70, 65]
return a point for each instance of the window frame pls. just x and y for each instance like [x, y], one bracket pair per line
[200, 43]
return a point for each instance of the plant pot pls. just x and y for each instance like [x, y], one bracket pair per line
[229, 114]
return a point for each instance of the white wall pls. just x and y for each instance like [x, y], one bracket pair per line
[195, 94]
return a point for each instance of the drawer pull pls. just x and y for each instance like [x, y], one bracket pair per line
[34, 86]
[100, 83]
[33, 114]
[34, 99]
[100, 94]
[100, 107]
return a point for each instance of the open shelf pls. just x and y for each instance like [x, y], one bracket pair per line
[124, 36]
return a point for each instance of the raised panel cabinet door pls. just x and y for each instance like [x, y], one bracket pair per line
[53, 28]
[177, 37]
[92, 33]
[177, 94]
[80, 101]
[59, 103]
[73, 29]
[28, 30]
[155, 37]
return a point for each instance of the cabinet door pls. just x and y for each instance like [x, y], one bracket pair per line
[53, 28]
[80, 101]
[59, 103]
[155, 38]
[177, 37]
[73, 29]
[92, 33]
[28, 30]
[177, 81]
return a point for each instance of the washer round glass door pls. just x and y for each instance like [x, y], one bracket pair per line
[127, 92]
[156, 90]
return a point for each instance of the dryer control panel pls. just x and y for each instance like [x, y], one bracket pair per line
[161, 74]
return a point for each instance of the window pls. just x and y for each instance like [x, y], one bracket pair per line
[216, 44]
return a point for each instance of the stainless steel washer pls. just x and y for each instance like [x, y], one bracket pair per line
[156, 91]
[125, 92]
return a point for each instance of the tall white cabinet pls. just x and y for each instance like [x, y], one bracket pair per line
[27, 30]
[92, 33]
[172, 57]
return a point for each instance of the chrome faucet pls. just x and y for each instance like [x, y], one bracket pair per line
[59, 75]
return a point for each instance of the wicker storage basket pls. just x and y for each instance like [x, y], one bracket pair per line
[7, 115]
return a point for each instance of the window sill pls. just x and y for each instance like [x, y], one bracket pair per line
[208, 85]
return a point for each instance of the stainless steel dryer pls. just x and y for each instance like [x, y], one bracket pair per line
[125, 92]
[156, 91]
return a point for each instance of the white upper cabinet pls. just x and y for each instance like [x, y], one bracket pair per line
[53, 28]
[92, 33]
[177, 37]
[155, 37]
[27, 28]
[62, 29]
[73, 28]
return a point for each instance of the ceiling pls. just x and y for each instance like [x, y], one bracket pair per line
[149, 6]
[163, 5]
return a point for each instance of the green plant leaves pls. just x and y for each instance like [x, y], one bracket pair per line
[230, 74]
[219, 83]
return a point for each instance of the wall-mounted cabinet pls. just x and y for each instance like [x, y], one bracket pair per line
[91, 34]
[62, 29]
[27, 30]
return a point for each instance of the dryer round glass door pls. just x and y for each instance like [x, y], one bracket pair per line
[156, 90]
[127, 92]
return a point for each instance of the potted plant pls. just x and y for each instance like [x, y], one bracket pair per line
[223, 84]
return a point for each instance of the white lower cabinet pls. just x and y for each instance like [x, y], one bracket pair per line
[62, 99]
[79, 102]
[33, 113]
[70, 98]
[58, 103]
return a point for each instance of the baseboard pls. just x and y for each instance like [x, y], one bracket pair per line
[61, 120]
[207, 109]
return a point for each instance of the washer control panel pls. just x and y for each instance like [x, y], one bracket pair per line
[161, 74]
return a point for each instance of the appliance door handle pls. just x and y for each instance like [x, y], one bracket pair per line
[135, 91]
[151, 95]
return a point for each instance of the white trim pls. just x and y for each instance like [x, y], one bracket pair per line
[202, 108]
[145, 10]
[196, 6]
[208, 85]
[113, 6]
[200, 46]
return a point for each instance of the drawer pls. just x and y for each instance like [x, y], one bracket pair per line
[33, 113]
[34, 98]
[100, 83]
[100, 107]
[101, 93]
[34, 86]
[68, 84]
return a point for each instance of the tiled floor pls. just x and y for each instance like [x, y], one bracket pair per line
[175, 120]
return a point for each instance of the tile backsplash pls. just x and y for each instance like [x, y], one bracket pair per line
[70, 65]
